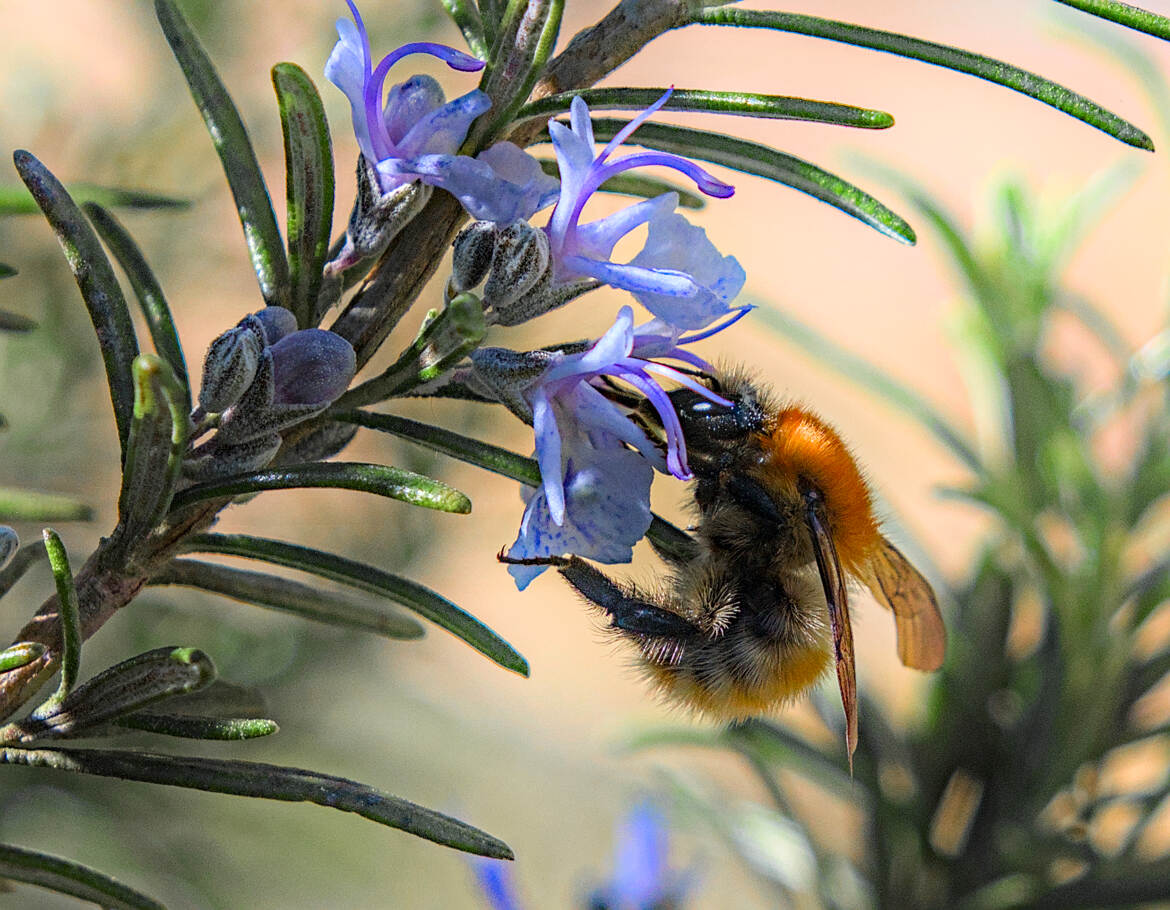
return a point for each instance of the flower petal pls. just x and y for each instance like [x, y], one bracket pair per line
[607, 511]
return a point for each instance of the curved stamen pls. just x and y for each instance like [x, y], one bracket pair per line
[624, 133]
[383, 145]
[705, 181]
[719, 326]
[684, 380]
[676, 447]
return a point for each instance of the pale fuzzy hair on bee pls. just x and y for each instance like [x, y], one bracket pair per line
[735, 673]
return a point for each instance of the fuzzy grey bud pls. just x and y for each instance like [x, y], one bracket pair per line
[214, 459]
[471, 255]
[276, 322]
[377, 217]
[298, 377]
[230, 367]
[520, 262]
[505, 374]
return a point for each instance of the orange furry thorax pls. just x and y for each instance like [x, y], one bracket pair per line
[800, 444]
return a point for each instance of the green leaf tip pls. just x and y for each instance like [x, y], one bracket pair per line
[69, 614]
[381, 480]
[95, 279]
[767, 162]
[1123, 14]
[253, 202]
[410, 594]
[14, 322]
[264, 781]
[16, 201]
[189, 726]
[67, 877]
[972, 64]
[31, 505]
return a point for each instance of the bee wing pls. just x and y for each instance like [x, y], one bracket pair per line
[833, 581]
[894, 583]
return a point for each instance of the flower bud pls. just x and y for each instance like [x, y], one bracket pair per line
[298, 377]
[277, 322]
[313, 366]
[230, 367]
[505, 374]
[520, 261]
[471, 255]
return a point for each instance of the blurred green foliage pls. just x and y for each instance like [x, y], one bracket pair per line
[1001, 796]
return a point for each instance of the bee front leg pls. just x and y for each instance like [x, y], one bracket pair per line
[626, 610]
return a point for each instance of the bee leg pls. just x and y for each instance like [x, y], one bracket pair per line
[627, 611]
[752, 496]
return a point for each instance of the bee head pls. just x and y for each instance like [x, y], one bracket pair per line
[708, 426]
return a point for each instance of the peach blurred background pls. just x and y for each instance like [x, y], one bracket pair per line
[90, 87]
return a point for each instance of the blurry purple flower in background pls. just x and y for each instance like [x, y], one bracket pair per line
[642, 876]
[679, 276]
[597, 463]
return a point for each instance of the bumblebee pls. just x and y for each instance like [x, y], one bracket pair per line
[756, 611]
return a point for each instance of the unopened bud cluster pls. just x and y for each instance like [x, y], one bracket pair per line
[260, 378]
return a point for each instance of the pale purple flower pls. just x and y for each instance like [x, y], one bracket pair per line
[596, 463]
[679, 276]
[501, 184]
[414, 119]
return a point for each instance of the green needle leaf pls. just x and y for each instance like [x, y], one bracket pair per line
[642, 186]
[20, 655]
[763, 161]
[154, 454]
[264, 781]
[127, 687]
[188, 726]
[745, 104]
[662, 534]
[14, 322]
[146, 289]
[289, 597]
[29, 505]
[409, 594]
[466, 17]
[381, 480]
[68, 612]
[235, 151]
[308, 163]
[962, 61]
[65, 877]
[1124, 14]
[95, 278]
[15, 200]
